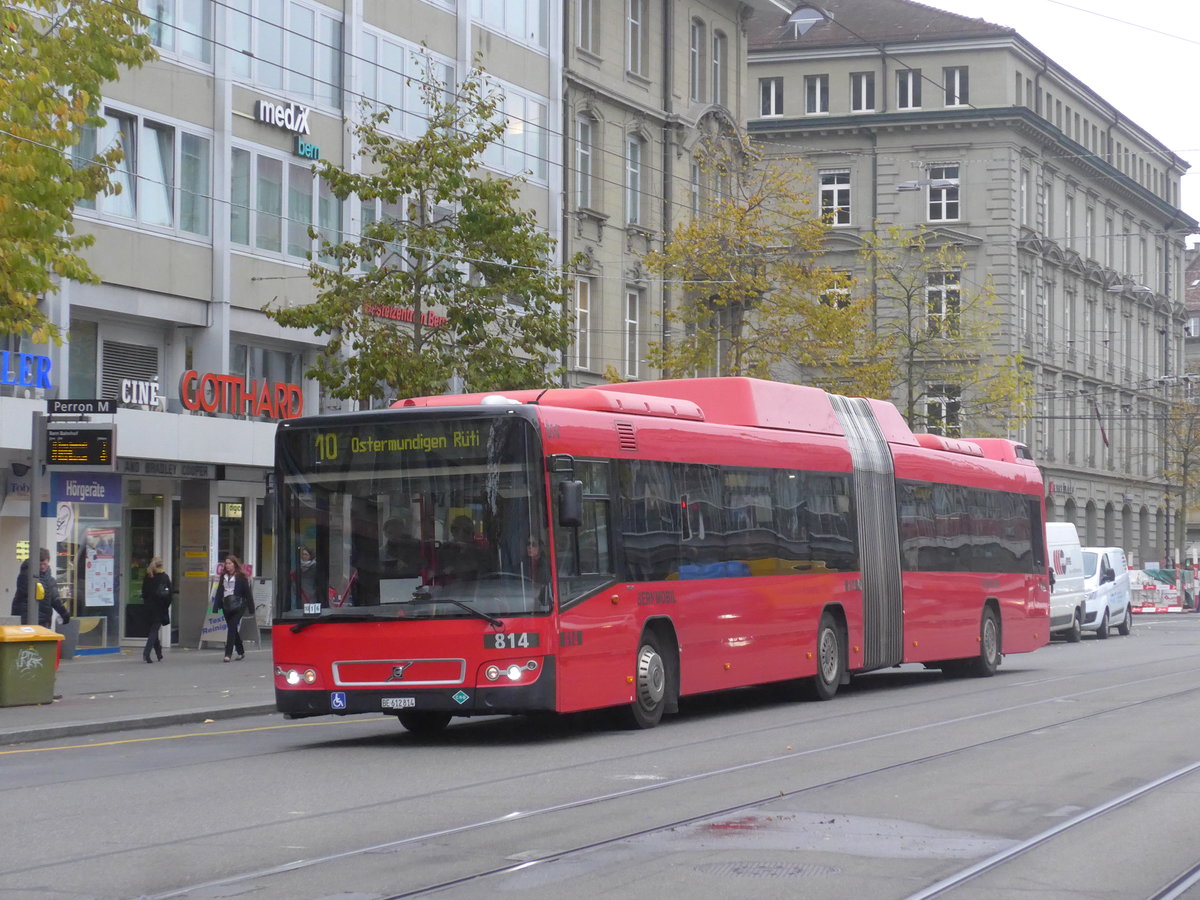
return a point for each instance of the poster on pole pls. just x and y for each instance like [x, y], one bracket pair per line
[99, 572]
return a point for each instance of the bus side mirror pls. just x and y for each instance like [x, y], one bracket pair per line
[570, 503]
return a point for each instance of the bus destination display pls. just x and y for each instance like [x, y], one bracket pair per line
[76, 446]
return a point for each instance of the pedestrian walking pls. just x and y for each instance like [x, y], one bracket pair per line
[233, 597]
[156, 598]
[48, 603]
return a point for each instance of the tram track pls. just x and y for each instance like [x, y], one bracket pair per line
[962, 877]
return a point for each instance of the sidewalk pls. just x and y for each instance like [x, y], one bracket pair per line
[118, 692]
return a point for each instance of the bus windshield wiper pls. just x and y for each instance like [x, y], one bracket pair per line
[424, 595]
[491, 620]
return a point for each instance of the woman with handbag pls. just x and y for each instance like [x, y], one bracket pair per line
[156, 599]
[233, 597]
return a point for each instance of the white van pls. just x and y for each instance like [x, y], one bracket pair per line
[1106, 583]
[1066, 580]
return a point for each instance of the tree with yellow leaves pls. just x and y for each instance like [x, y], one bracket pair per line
[751, 296]
[937, 327]
[54, 57]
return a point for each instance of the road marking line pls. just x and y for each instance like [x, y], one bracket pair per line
[175, 737]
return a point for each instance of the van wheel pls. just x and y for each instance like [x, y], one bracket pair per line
[1102, 631]
[1126, 625]
[1076, 631]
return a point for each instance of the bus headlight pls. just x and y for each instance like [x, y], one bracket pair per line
[296, 676]
[513, 671]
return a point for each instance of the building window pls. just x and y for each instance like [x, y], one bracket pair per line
[954, 79]
[287, 46]
[180, 27]
[633, 311]
[522, 20]
[908, 89]
[1089, 232]
[636, 12]
[816, 94]
[943, 410]
[634, 149]
[585, 35]
[584, 138]
[524, 147]
[272, 206]
[694, 183]
[838, 296]
[696, 62]
[1069, 222]
[164, 176]
[720, 48]
[393, 72]
[770, 93]
[835, 196]
[862, 92]
[942, 302]
[943, 193]
[583, 323]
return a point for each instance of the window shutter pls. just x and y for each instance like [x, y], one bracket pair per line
[126, 361]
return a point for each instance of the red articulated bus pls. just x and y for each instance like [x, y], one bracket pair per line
[629, 544]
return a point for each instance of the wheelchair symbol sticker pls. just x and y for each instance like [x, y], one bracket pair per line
[337, 700]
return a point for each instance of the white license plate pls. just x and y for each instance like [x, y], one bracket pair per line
[399, 702]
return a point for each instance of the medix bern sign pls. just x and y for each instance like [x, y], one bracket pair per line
[291, 117]
[233, 395]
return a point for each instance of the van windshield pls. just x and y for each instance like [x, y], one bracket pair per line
[1090, 561]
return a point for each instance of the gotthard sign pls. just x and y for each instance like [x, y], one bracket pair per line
[235, 396]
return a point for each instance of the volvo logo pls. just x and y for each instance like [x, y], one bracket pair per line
[398, 671]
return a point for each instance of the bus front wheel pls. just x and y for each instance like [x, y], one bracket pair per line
[650, 685]
[423, 722]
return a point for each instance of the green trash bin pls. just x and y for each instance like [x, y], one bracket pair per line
[28, 658]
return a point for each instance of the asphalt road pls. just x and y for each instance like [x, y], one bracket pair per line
[1074, 772]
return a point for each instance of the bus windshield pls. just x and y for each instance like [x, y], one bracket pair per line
[411, 516]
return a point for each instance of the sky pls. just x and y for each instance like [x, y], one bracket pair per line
[1139, 56]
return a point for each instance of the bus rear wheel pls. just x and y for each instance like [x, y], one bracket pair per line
[650, 686]
[423, 722]
[988, 660]
[831, 660]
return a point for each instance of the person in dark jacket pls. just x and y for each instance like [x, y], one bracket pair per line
[234, 597]
[156, 598]
[50, 603]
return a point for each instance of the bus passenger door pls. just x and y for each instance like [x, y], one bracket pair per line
[595, 650]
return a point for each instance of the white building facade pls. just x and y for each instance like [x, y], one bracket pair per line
[211, 225]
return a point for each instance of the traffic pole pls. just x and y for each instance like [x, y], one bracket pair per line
[36, 446]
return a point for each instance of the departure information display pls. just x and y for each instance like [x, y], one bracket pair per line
[80, 446]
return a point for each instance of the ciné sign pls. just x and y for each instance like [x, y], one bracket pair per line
[234, 395]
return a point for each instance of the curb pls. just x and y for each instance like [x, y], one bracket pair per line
[80, 729]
